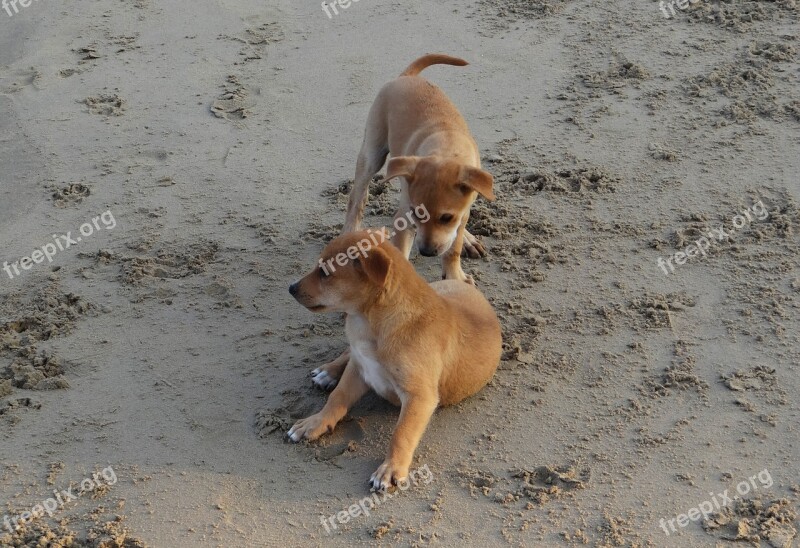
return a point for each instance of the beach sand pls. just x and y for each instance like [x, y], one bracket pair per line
[221, 137]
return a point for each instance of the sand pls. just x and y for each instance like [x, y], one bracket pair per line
[222, 137]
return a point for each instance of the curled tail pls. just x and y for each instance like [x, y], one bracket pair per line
[431, 59]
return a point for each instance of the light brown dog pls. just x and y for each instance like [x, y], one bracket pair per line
[433, 151]
[417, 345]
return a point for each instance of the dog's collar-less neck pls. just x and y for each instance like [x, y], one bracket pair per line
[400, 306]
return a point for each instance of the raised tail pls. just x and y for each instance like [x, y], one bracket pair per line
[432, 59]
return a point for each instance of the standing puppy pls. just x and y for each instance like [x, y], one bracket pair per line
[417, 345]
[434, 153]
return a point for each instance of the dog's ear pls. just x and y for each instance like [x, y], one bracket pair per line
[377, 264]
[402, 166]
[478, 180]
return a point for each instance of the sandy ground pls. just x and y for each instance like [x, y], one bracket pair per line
[220, 136]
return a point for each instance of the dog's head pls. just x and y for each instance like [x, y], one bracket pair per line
[446, 188]
[351, 271]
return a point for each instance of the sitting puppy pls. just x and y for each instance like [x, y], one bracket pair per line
[417, 345]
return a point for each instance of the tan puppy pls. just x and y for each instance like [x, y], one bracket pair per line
[432, 150]
[417, 345]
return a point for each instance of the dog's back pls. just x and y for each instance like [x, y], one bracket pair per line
[424, 120]
[479, 343]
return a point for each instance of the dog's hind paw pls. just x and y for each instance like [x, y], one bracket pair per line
[327, 376]
[321, 378]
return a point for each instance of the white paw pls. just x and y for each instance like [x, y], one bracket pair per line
[310, 428]
[388, 476]
[293, 434]
[323, 379]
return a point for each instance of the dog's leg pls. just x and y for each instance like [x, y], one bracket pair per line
[328, 375]
[415, 415]
[403, 239]
[451, 260]
[472, 246]
[350, 389]
[371, 157]
[366, 168]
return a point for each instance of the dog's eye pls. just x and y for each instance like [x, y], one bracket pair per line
[323, 273]
[446, 218]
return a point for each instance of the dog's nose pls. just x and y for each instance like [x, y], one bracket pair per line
[427, 251]
[293, 289]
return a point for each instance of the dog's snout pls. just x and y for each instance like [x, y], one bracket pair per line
[293, 289]
[427, 251]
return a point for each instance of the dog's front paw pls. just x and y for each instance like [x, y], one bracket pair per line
[473, 248]
[388, 475]
[459, 275]
[310, 428]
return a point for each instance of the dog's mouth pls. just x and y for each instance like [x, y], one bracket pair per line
[317, 308]
[429, 248]
[431, 251]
